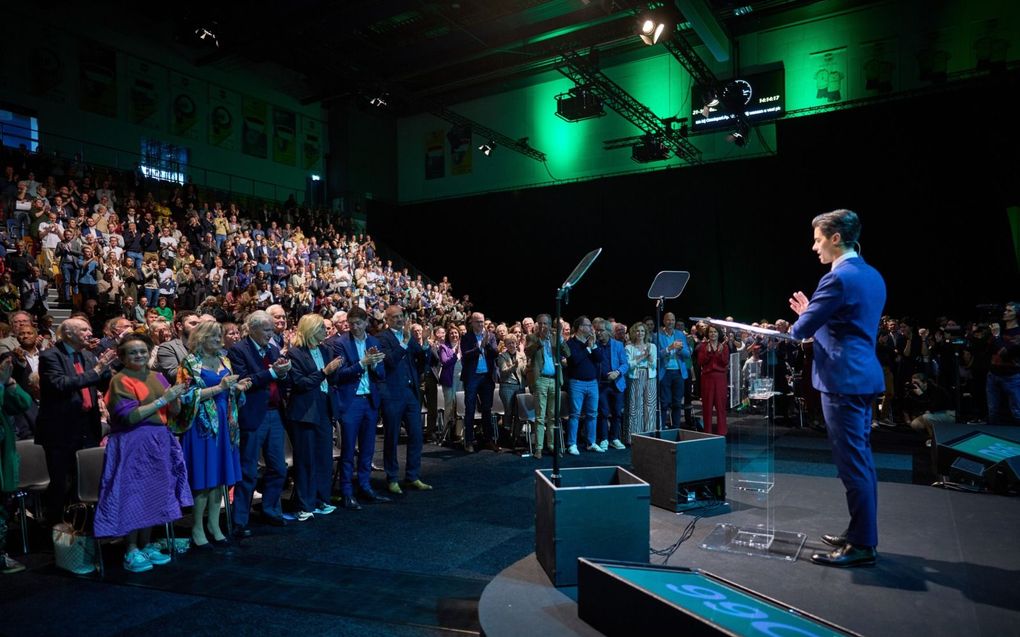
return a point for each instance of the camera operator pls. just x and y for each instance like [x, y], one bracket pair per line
[926, 404]
[1004, 370]
[977, 357]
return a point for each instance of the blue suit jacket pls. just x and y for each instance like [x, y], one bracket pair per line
[306, 401]
[683, 356]
[469, 353]
[246, 363]
[843, 316]
[403, 366]
[349, 374]
[618, 362]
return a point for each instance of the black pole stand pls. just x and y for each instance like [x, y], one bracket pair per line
[668, 284]
[563, 296]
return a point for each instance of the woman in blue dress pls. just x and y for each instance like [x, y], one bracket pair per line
[208, 422]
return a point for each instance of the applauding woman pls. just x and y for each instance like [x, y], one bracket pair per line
[144, 481]
[714, 361]
[209, 424]
[311, 410]
[641, 383]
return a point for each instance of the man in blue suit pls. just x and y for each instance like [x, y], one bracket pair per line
[612, 385]
[478, 353]
[260, 422]
[843, 317]
[405, 360]
[359, 390]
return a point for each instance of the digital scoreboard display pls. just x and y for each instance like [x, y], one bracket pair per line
[759, 96]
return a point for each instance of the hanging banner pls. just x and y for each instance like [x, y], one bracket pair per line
[146, 93]
[459, 138]
[435, 158]
[829, 75]
[187, 106]
[51, 70]
[255, 124]
[284, 136]
[311, 137]
[224, 118]
[97, 78]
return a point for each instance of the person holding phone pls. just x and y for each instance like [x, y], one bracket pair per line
[359, 396]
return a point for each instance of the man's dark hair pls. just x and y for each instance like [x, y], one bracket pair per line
[845, 222]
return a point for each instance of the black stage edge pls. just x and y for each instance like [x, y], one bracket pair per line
[948, 565]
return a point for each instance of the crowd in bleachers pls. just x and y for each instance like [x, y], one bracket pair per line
[241, 328]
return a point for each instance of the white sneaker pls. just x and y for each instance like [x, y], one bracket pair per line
[155, 556]
[136, 562]
[572, 450]
[616, 444]
[324, 509]
[301, 516]
[9, 565]
[605, 445]
[596, 448]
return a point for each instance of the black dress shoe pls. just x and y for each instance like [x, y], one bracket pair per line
[491, 446]
[220, 544]
[241, 532]
[371, 497]
[273, 520]
[846, 556]
[835, 541]
[350, 503]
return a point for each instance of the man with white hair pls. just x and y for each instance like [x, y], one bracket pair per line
[71, 380]
[260, 420]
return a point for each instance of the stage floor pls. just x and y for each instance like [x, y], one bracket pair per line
[948, 564]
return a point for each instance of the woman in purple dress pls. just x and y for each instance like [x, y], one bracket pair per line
[144, 481]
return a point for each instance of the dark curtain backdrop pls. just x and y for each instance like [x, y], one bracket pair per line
[931, 178]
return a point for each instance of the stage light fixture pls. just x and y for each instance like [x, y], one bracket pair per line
[649, 149]
[487, 147]
[579, 103]
[739, 135]
[379, 101]
[207, 33]
[652, 29]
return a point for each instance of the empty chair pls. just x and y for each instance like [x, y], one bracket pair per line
[90, 472]
[34, 478]
[525, 420]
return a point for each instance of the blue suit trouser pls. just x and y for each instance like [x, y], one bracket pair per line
[848, 420]
[478, 392]
[357, 429]
[671, 397]
[611, 401]
[402, 408]
[267, 438]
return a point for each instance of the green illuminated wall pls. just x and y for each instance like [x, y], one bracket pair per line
[874, 51]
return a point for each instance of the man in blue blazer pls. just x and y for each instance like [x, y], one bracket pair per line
[843, 317]
[612, 385]
[359, 392]
[478, 353]
[260, 421]
[405, 361]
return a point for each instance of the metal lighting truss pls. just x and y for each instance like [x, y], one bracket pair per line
[583, 73]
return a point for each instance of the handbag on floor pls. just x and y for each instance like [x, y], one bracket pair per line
[73, 549]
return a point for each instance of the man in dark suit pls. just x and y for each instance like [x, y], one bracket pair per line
[478, 352]
[260, 421]
[404, 362]
[70, 382]
[359, 393]
[612, 384]
[843, 317]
